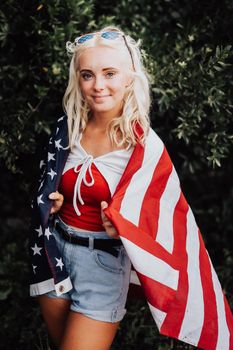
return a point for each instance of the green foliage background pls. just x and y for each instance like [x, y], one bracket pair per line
[188, 53]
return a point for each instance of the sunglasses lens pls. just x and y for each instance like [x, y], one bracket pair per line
[110, 35]
[84, 38]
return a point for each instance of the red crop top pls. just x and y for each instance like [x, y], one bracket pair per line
[93, 195]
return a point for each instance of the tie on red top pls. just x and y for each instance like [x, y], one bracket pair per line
[92, 195]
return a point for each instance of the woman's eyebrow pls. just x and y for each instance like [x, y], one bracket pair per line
[113, 68]
[104, 69]
[85, 70]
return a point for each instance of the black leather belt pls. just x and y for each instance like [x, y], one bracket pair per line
[107, 245]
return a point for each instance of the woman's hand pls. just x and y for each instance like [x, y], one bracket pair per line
[110, 229]
[58, 200]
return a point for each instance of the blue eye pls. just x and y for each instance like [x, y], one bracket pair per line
[110, 74]
[86, 76]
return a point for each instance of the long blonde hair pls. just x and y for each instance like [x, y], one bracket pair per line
[136, 100]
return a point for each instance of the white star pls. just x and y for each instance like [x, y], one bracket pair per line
[47, 233]
[34, 269]
[41, 184]
[59, 263]
[50, 141]
[40, 231]
[60, 119]
[57, 131]
[58, 145]
[41, 177]
[52, 173]
[39, 199]
[42, 163]
[36, 249]
[51, 156]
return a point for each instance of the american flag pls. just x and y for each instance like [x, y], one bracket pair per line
[161, 237]
[163, 241]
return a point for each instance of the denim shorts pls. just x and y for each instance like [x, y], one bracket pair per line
[100, 280]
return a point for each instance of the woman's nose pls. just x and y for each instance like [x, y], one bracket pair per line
[99, 83]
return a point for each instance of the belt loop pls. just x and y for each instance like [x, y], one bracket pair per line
[91, 243]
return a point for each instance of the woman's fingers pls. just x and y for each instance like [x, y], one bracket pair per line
[55, 195]
[110, 229]
[57, 201]
[104, 205]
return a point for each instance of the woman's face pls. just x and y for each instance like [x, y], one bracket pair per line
[103, 80]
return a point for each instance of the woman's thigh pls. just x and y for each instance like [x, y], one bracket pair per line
[84, 333]
[55, 312]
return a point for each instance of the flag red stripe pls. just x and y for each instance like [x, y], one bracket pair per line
[209, 334]
[132, 167]
[157, 294]
[150, 207]
[175, 315]
[139, 237]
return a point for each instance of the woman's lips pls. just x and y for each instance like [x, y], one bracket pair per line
[100, 98]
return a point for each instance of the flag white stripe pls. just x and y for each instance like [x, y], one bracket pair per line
[168, 202]
[223, 332]
[135, 192]
[194, 314]
[150, 266]
[134, 278]
[158, 315]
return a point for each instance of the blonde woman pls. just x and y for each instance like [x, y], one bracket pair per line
[109, 195]
[106, 97]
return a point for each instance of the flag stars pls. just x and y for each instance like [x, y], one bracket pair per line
[41, 185]
[42, 163]
[52, 173]
[42, 175]
[39, 199]
[51, 156]
[39, 231]
[59, 263]
[58, 144]
[36, 249]
[34, 269]
[47, 233]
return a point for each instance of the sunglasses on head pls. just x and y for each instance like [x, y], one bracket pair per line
[110, 35]
[105, 35]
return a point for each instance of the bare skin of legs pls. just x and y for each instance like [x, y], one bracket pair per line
[55, 313]
[73, 331]
[84, 333]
